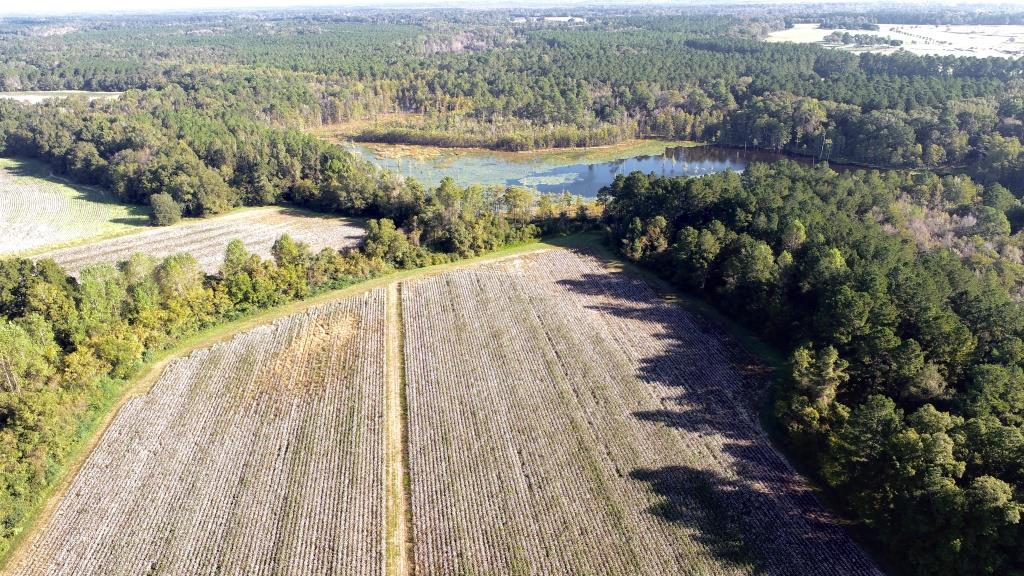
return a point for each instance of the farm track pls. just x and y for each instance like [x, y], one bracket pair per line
[398, 545]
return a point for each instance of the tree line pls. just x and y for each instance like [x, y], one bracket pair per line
[483, 81]
[904, 389]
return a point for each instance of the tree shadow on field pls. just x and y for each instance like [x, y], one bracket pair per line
[741, 497]
[138, 215]
[693, 498]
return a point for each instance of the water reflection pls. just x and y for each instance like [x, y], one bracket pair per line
[547, 175]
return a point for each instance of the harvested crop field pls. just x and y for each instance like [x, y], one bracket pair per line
[559, 418]
[207, 239]
[38, 210]
[260, 455]
[981, 41]
[565, 420]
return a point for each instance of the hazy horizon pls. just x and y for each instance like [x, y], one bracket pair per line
[71, 7]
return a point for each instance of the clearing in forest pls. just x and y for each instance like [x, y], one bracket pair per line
[38, 210]
[260, 455]
[565, 420]
[208, 238]
[962, 40]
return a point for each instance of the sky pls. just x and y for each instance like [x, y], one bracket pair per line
[64, 7]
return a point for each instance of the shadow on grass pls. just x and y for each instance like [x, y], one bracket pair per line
[31, 168]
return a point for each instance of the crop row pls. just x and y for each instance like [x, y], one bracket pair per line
[570, 422]
[260, 455]
[562, 419]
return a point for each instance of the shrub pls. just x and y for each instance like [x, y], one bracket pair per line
[165, 210]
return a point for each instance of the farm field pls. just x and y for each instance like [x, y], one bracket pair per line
[570, 422]
[560, 418]
[37, 210]
[260, 455]
[1005, 41]
[207, 239]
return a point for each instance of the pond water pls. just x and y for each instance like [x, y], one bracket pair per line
[581, 173]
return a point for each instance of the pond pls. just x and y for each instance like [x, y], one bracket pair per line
[579, 172]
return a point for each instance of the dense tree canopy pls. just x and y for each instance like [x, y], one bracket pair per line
[905, 389]
[483, 79]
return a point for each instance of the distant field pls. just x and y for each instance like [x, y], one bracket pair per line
[38, 96]
[564, 420]
[261, 455]
[944, 40]
[37, 210]
[207, 239]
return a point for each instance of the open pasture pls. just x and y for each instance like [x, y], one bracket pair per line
[38, 210]
[1006, 41]
[565, 420]
[260, 455]
[208, 238]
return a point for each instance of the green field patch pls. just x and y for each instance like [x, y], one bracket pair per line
[39, 210]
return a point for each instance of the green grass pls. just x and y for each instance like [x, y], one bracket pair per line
[45, 211]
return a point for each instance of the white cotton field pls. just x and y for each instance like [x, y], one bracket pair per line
[261, 455]
[37, 210]
[552, 417]
[565, 420]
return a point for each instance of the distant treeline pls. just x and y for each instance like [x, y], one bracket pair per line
[923, 15]
[860, 39]
[480, 81]
[848, 23]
